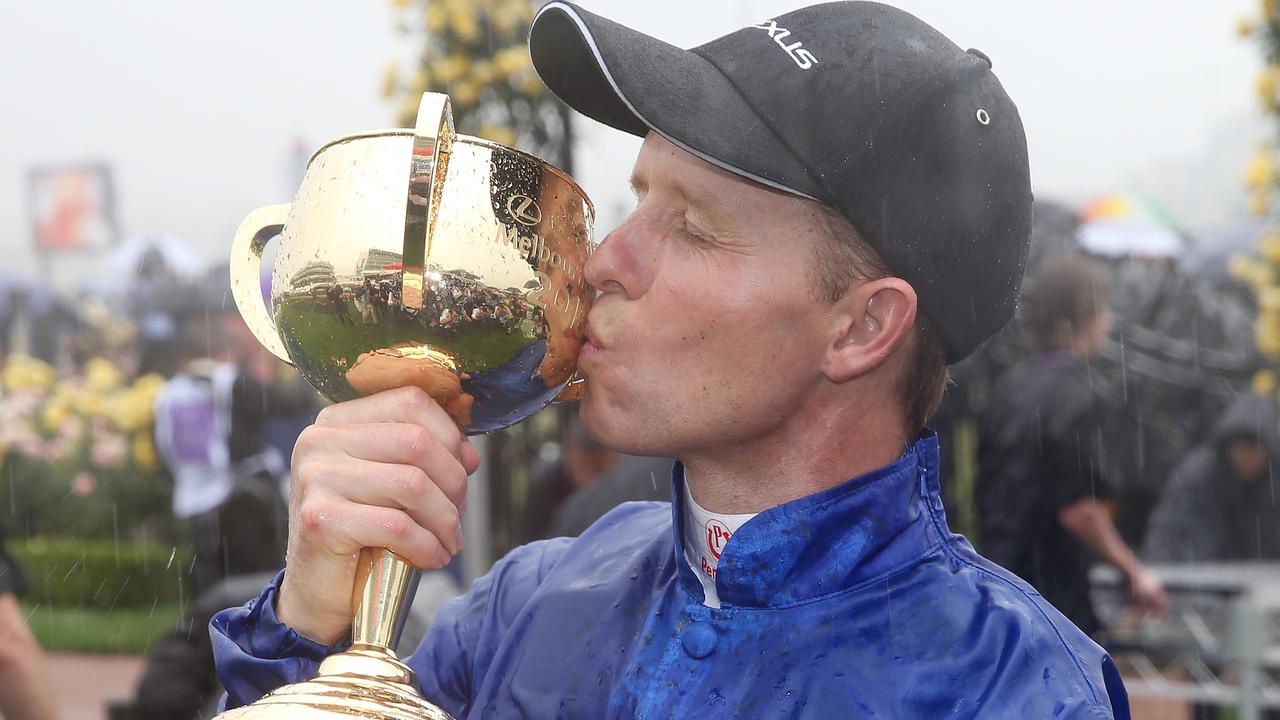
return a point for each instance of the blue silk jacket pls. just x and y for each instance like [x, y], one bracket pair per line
[856, 602]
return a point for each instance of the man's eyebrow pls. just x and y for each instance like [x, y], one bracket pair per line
[637, 184]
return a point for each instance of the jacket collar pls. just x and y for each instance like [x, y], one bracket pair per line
[828, 542]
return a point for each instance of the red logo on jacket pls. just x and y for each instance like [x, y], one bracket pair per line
[717, 536]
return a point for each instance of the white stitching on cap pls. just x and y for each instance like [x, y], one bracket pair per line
[591, 41]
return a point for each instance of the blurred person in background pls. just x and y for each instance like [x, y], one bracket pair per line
[1221, 502]
[25, 692]
[34, 322]
[602, 479]
[154, 298]
[211, 420]
[1043, 477]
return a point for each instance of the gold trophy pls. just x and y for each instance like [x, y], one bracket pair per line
[416, 257]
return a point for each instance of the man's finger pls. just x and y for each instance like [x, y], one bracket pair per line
[383, 443]
[400, 487]
[405, 405]
[347, 527]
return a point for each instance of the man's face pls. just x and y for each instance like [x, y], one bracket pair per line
[1248, 457]
[706, 334]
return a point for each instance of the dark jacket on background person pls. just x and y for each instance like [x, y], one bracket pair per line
[1041, 449]
[1206, 513]
[633, 478]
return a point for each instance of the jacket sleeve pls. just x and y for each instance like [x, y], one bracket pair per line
[255, 653]
[454, 657]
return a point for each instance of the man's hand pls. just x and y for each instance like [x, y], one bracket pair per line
[1147, 592]
[388, 470]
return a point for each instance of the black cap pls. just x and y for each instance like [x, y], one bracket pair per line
[857, 105]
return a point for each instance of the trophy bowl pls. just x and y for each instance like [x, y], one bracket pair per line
[425, 258]
[416, 258]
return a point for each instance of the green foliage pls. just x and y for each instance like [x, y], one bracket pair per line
[128, 631]
[102, 575]
[476, 51]
[63, 498]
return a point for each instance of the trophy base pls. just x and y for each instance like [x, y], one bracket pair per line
[366, 681]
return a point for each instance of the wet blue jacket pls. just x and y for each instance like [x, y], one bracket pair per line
[856, 602]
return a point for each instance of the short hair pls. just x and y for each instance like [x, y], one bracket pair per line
[845, 258]
[1066, 293]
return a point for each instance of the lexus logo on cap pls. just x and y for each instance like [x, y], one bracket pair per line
[801, 57]
[524, 209]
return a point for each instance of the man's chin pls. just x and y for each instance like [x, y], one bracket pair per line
[617, 429]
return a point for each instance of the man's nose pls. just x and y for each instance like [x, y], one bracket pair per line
[621, 263]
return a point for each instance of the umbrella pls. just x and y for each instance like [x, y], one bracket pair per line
[176, 254]
[1125, 224]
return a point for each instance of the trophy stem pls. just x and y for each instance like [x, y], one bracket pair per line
[384, 588]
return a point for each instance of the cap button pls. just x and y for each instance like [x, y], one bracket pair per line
[699, 640]
[980, 55]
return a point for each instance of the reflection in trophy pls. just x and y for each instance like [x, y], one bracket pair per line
[466, 281]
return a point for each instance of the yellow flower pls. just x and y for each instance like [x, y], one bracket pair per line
[511, 61]
[499, 134]
[481, 73]
[1268, 341]
[436, 17]
[55, 414]
[465, 26]
[1269, 10]
[421, 81]
[1260, 172]
[464, 93]
[144, 451]
[446, 70]
[1264, 382]
[101, 375]
[400, 4]
[1269, 300]
[1243, 27]
[1268, 82]
[531, 86]
[24, 373]
[1269, 247]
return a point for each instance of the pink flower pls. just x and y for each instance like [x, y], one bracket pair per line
[84, 484]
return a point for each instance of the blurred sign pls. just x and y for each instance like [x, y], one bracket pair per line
[73, 207]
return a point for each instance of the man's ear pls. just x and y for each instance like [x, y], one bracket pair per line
[869, 324]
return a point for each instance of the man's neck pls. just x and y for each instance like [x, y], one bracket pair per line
[811, 452]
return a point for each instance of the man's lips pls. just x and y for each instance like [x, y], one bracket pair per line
[593, 338]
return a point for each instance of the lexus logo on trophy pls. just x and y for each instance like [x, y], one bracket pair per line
[397, 266]
[524, 210]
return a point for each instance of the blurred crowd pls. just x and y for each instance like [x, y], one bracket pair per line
[1125, 417]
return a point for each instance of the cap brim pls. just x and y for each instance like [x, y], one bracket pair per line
[637, 83]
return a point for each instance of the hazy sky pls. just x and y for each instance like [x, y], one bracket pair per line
[202, 109]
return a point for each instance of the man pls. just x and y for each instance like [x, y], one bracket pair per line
[748, 329]
[210, 431]
[1220, 504]
[1043, 466]
[25, 691]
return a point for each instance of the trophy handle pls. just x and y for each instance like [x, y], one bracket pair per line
[432, 142]
[246, 274]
